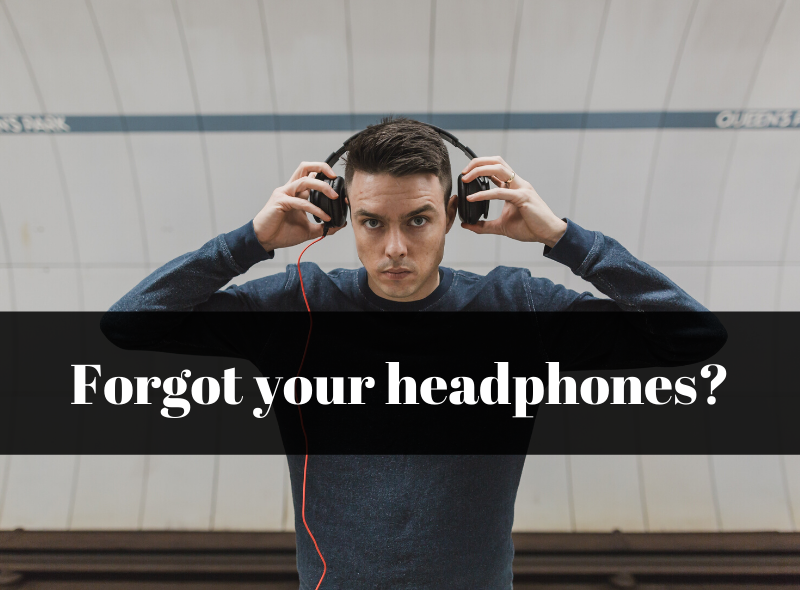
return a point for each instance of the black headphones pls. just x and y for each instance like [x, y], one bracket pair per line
[469, 211]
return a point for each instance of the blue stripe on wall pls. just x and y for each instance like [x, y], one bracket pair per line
[786, 118]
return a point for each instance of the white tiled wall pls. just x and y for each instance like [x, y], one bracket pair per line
[717, 211]
[791, 465]
[109, 492]
[65, 55]
[98, 176]
[39, 492]
[640, 44]
[606, 493]
[250, 493]
[470, 71]
[679, 493]
[391, 53]
[147, 60]
[228, 55]
[752, 493]
[180, 492]
[722, 49]
[556, 493]
[544, 500]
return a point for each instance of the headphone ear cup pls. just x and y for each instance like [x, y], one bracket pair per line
[336, 208]
[339, 217]
[471, 211]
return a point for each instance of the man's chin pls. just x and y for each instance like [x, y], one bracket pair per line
[399, 289]
[398, 292]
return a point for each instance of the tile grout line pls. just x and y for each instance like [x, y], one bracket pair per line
[511, 76]
[431, 57]
[351, 82]
[643, 493]
[573, 525]
[137, 190]
[715, 493]
[7, 246]
[732, 151]
[787, 491]
[56, 152]
[573, 201]
[787, 232]
[143, 492]
[73, 492]
[272, 88]
[198, 114]
[659, 132]
[214, 494]
[509, 93]
[4, 484]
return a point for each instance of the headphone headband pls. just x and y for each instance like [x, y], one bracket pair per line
[445, 135]
[469, 212]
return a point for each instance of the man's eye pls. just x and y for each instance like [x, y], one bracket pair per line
[419, 221]
[369, 223]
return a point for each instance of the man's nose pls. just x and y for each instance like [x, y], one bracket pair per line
[396, 245]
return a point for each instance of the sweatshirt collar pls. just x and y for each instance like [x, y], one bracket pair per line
[445, 280]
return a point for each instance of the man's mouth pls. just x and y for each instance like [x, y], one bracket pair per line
[396, 274]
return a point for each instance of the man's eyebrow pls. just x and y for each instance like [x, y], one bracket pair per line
[414, 213]
[423, 209]
[365, 213]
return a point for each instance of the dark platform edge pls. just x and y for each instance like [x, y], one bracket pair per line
[148, 559]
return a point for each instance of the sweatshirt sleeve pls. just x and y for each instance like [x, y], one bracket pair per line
[636, 328]
[192, 283]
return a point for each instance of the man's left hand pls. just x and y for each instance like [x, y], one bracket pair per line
[525, 216]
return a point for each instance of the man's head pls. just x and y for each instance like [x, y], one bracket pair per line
[398, 185]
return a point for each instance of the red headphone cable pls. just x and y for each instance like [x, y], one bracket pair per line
[305, 436]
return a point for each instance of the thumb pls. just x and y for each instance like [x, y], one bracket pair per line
[315, 230]
[333, 230]
[482, 227]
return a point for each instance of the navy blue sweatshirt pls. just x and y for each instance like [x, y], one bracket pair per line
[421, 522]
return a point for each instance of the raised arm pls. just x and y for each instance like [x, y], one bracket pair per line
[647, 321]
[192, 282]
[653, 336]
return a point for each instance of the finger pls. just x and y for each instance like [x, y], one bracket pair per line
[299, 172]
[317, 229]
[497, 170]
[303, 205]
[484, 227]
[496, 194]
[306, 168]
[333, 230]
[301, 186]
[484, 161]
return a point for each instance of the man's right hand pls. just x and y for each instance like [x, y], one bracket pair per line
[283, 222]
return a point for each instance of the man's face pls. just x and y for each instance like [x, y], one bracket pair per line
[400, 224]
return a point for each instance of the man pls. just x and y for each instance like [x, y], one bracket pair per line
[414, 521]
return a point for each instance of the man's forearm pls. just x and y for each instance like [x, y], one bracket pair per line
[184, 284]
[641, 339]
[191, 279]
[630, 283]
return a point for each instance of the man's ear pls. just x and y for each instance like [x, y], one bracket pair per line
[452, 209]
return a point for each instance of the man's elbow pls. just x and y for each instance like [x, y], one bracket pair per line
[109, 326]
[710, 337]
[116, 326]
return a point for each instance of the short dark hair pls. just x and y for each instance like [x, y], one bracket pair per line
[400, 147]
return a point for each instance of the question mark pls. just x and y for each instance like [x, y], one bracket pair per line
[718, 378]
